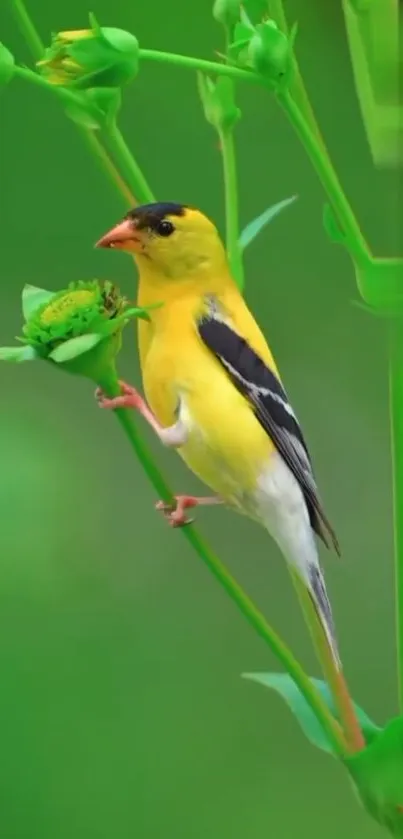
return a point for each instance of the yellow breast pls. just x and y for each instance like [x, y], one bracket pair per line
[227, 447]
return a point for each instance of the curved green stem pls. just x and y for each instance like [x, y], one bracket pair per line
[201, 64]
[297, 87]
[107, 165]
[332, 728]
[354, 238]
[134, 175]
[28, 29]
[231, 206]
[69, 97]
[37, 49]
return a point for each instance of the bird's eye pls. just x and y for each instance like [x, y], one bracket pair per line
[165, 228]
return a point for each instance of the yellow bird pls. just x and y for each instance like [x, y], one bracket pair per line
[213, 390]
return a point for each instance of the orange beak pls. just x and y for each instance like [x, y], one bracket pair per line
[123, 237]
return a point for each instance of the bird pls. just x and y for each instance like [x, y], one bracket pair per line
[213, 391]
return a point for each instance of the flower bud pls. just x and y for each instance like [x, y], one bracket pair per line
[7, 65]
[87, 58]
[79, 329]
[218, 102]
[227, 12]
[269, 51]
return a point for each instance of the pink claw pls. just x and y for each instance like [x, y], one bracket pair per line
[175, 513]
[130, 398]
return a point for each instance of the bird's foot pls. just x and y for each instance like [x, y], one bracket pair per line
[130, 398]
[175, 513]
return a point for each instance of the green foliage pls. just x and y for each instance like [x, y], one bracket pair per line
[18, 354]
[88, 58]
[254, 227]
[377, 773]
[226, 12]
[78, 328]
[288, 690]
[218, 100]
[7, 65]
[270, 51]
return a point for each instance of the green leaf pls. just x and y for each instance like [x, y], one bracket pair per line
[377, 773]
[7, 65]
[33, 298]
[331, 226]
[75, 347]
[284, 685]
[95, 26]
[254, 227]
[18, 354]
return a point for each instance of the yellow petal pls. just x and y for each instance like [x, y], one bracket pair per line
[74, 35]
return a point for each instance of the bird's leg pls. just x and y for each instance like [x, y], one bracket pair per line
[175, 513]
[173, 436]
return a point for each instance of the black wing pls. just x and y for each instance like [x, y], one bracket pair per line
[271, 407]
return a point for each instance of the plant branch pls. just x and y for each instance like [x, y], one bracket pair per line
[133, 173]
[191, 63]
[332, 728]
[297, 87]
[354, 239]
[36, 46]
[28, 29]
[231, 206]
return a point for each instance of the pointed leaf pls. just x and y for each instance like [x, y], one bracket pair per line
[75, 347]
[18, 354]
[254, 227]
[94, 24]
[284, 685]
[33, 298]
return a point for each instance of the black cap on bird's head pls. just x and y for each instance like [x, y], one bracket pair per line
[168, 238]
[153, 218]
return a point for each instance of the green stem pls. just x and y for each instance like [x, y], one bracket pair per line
[129, 165]
[192, 63]
[37, 49]
[231, 206]
[396, 413]
[354, 239]
[297, 87]
[69, 97]
[28, 29]
[107, 165]
[111, 387]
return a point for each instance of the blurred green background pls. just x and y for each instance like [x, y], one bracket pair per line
[122, 710]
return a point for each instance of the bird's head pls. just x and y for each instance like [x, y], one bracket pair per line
[170, 240]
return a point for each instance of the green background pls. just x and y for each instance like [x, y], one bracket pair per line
[122, 710]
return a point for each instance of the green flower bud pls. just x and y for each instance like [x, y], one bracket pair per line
[7, 65]
[87, 58]
[270, 51]
[218, 102]
[227, 12]
[79, 329]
